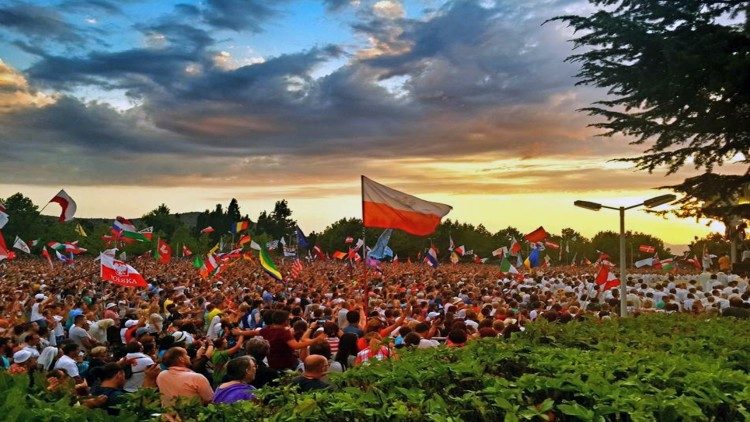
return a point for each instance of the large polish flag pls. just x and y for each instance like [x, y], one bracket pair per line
[387, 208]
[119, 272]
[67, 204]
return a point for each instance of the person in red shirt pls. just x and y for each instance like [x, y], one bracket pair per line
[283, 345]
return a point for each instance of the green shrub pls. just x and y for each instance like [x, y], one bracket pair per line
[650, 368]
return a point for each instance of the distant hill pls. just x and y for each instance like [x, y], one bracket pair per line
[189, 218]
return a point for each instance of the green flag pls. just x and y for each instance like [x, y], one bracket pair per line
[197, 262]
[506, 267]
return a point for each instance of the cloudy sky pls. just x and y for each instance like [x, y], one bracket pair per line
[128, 103]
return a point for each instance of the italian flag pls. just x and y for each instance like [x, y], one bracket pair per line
[139, 236]
[506, 267]
[56, 246]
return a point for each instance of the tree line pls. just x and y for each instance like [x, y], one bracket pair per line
[27, 223]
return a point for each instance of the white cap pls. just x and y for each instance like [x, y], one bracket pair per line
[110, 305]
[131, 322]
[40, 296]
[21, 356]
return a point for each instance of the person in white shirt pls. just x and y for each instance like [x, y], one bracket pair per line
[142, 362]
[67, 361]
[79, 335]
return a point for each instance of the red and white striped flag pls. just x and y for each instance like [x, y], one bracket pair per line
[296, 268]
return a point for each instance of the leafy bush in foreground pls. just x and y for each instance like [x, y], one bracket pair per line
[651, 368]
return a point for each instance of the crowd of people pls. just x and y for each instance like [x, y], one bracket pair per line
[217, 340]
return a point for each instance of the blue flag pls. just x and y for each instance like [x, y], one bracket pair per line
[534, 258]
[379, 251]
[301, 239]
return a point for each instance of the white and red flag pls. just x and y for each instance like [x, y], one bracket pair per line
[647, 249]
[387, 208]
[67, 204]
[296, 269]
[606, 278]
[207, 230]
[119, 272]
[186, 251]
[21, 245]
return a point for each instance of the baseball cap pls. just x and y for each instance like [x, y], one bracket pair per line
[110, 305]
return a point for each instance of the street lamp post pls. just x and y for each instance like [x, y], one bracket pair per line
[649, 203]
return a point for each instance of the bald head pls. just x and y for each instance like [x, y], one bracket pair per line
[316, 365]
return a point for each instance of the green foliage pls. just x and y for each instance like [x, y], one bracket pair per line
[650, 368]
[677, 82]
[163, 221]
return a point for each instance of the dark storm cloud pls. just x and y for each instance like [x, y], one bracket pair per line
[38, 23]
[467, 80]
[238, 15]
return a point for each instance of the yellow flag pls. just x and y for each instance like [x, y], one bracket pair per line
[79, 230]
[214, 249]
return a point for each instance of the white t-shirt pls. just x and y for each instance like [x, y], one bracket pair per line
[67, 364]
[77, 334]
[35, 314]
[427, 343]
[141, 364]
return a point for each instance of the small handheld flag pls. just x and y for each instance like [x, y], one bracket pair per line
[268, 266]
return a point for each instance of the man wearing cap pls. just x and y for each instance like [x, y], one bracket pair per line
[23, 363]
[110, 312]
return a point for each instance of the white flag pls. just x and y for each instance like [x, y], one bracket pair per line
[360, 243]
[648, 262]
[3, 219]
[21, 245]
[254, 245]
[282, 241]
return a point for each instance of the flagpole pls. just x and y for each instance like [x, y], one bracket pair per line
[364, 249]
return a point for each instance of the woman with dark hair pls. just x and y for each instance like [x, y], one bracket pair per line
[347, 352]
[456, 337]
[257, 348]
[236, 386]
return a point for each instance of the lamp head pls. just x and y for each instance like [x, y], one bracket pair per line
[659, 200]
[593, 206]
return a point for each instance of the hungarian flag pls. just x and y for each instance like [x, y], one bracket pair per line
[339, 255]
[45, 254]
[163, 252]
[207, 230]
[319, 253]
[296, 269]
[21, 245]
[506, 267]
[537, 235]
[67, 204]
[268, 266]
[186, 251]
[647, 249]
[56, 246]
[239, 226]
[119, 272]
[460, 250]
[244, 239]
[387, 208]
